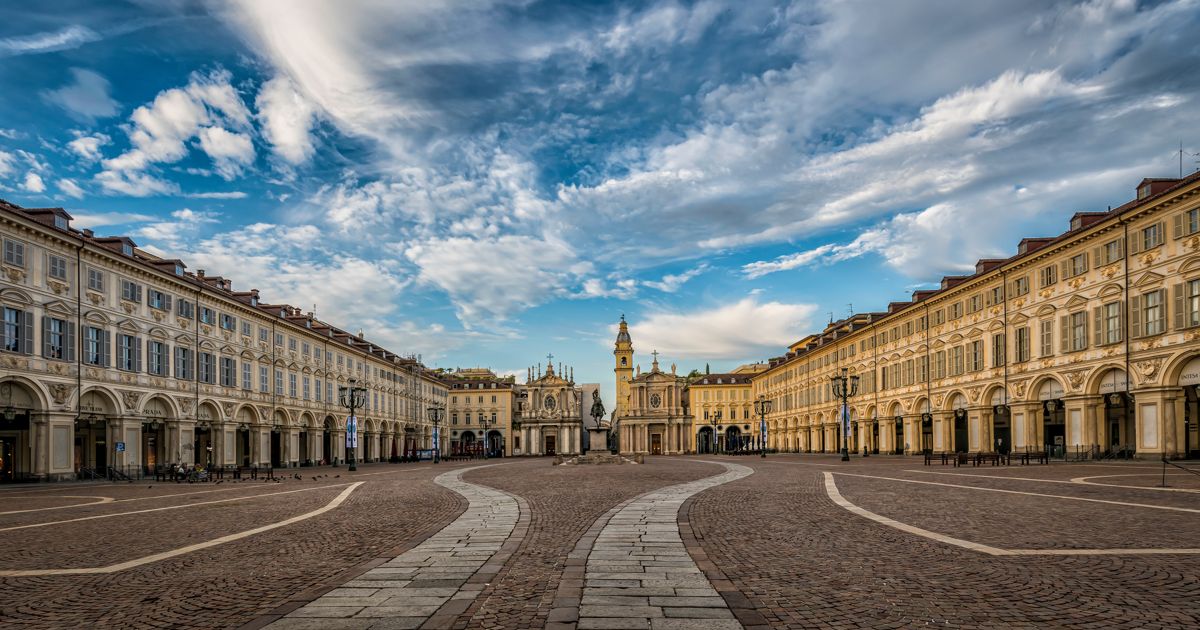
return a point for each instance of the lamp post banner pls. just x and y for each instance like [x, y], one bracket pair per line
[351, 432]
[846, 421]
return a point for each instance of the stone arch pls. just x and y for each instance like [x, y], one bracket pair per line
[306, 420]
[1056, 389]
[25, 392]
[160, 406]
[956, 399]
[993, 394]
[1189, 265]
[281, 418]
[99, 400]
[1103, 374]
[1180, 368]
[209, 411]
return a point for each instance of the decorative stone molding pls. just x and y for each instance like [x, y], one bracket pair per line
[158, 315]
[128, 307]
[61, 392]
[183, 322]
[1018, 389]
[264, 412]
[1075, 379]
[14, 274]
[227, 407]
[92, 373]
[1147, 370]
[59, 288]
[55, 367]
[95, 298]
[186, 405]
[131, 398]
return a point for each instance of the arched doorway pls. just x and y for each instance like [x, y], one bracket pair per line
[495, 441]
[927, 432]
[733, 439]
[1118, 413]
[960, 438]
[94, 446]
[1054, 418]
[17, 404]
[705, 444]
[467, 444]
[410, 441]
[157, 413]
[327, 446]
[899, 435]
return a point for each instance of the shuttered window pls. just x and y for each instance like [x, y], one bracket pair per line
[1187, 223]
[158, 355]
[58, 339]
[1146, 238]
[1047, 338]
[998, 350]
[14, 253]
[1022, 344]
[1148, 313]
[129, 353]
[1187, 304]
[1073, 330]
[1108, 324]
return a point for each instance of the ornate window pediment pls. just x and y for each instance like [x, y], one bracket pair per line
[974, 333]
[58, 307]
[1045, 311]
[97, 317]
[1109, 289]
[1019, 318]
[1148, 280]
[15, 296]
[1191, 265]
[1076, 302]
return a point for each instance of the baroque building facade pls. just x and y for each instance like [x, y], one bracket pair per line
[113, 357]
[480, 412]
[550, 412]
[1087, 342]
[723, 409]
[651, 415]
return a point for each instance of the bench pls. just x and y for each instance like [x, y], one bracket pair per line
[994, 458]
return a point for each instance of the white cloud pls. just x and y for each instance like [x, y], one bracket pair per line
[33, 183]
[231, 152]
[70, 188]
[105, 219]
[86, 98]
[70, 37]
[287, 120]
[88, 146]
[184, 226]
[671, 283]
[207, 108]
[747, 329]
[8, 163]
[233, 194]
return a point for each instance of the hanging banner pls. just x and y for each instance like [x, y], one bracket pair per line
[845, 417]
[351, 432]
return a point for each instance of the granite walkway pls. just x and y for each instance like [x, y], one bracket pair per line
[639, 574]
[432, 583]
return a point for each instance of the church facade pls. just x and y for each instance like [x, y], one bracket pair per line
[651, 415]
[549, 413]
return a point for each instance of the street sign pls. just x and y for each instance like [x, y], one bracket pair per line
[351, 432]
[120, 447]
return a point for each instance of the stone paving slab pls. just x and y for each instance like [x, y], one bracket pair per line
[428, 585]
[638, 573]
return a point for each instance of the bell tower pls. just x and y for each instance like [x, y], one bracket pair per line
[623, 359]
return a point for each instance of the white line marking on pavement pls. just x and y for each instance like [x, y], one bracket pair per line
[113, 568]
[1077, 481]
[836, 496]
[1031, 494]
[62, 507]
[169, 507]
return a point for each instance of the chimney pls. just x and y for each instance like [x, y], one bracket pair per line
[199, 273]
[88, 233]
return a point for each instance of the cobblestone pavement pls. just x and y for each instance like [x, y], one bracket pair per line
[639, 574]
[427, 584]
[804, 562]
[224, 586]
[565, 501]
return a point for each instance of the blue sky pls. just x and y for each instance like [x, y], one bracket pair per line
[485, 182]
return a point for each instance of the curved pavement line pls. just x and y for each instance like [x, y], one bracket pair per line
[62, 507]
[169, 507]
[431, 584]
[836, 496]
[1086, 482]
[1076, 481]
[113, 568]
[640, 574]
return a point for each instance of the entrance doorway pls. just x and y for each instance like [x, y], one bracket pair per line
[899, 444]
[656, 444]
[875, 437]
[276, 449]
[495, 444]
[551, 442]
[304, 447]
[733, 439]
[960, 431]
[1054, 427]
[1119, 421]
[327, 442]
[1191, 422]
[927, 433]
[1002, 429]
[704, 441]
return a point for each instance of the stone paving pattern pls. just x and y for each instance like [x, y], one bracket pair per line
[804, 562]
[565, 501]
[639, 574]
[229, 585]
[427, 585]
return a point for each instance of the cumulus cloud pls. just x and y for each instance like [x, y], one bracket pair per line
[746, 330]
[70, 188]
[33, 183]
[86, 98]
[287, 120]
[105, 219]
[8, 163]
[87, 146]
[208, 109]
[671, 283]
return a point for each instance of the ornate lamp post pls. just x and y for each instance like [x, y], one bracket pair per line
[352, 397]
[762, 407]
[845, 386]
[483, 422]
[435, 416]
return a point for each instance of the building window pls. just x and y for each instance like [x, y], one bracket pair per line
[1151, 236]
[1047, 276]
[997, 295]
[922, 370]
[228, 322]
[129, 353]
[14, 253]
[279, 339]
[17, 337]
[157, 358]
[247, 329]
[975, 356]
[263, 334]
[975, 303]
[57, 267]
[291, 384]
[1047, 338]
[307, 388]
[58, 339]
[1152, 309]
[185, 309]
[228, 372]
[96, 346]
[1108, 323]
[1111, 252]
[328, 391]
[1020, 286]
[183, 363]
[131, 291]
[939, 317]
[956, 310]
[957, 360]
[1077, 265]
[1187, 304]
[1074, 332]
[158, 300]
[95, 280]
[207, 368]
[264, 381]
[278, 382]
[998, 350]
[247, 376]
[1023, 344]
[317, 389]
[1187, 223]
[292, 344]
[207, 316]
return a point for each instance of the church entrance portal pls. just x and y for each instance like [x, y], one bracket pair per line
[550, 445]
[656, 444]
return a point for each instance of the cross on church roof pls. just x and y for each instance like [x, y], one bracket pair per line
[550, 358]
[655, 353]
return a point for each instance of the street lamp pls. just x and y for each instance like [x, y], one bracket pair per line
[436, 414]
[483, 421]
[715, 419]
[845, 386]
[352, 397]
[762, 407]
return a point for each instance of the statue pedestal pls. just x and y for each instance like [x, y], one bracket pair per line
[598, 440]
